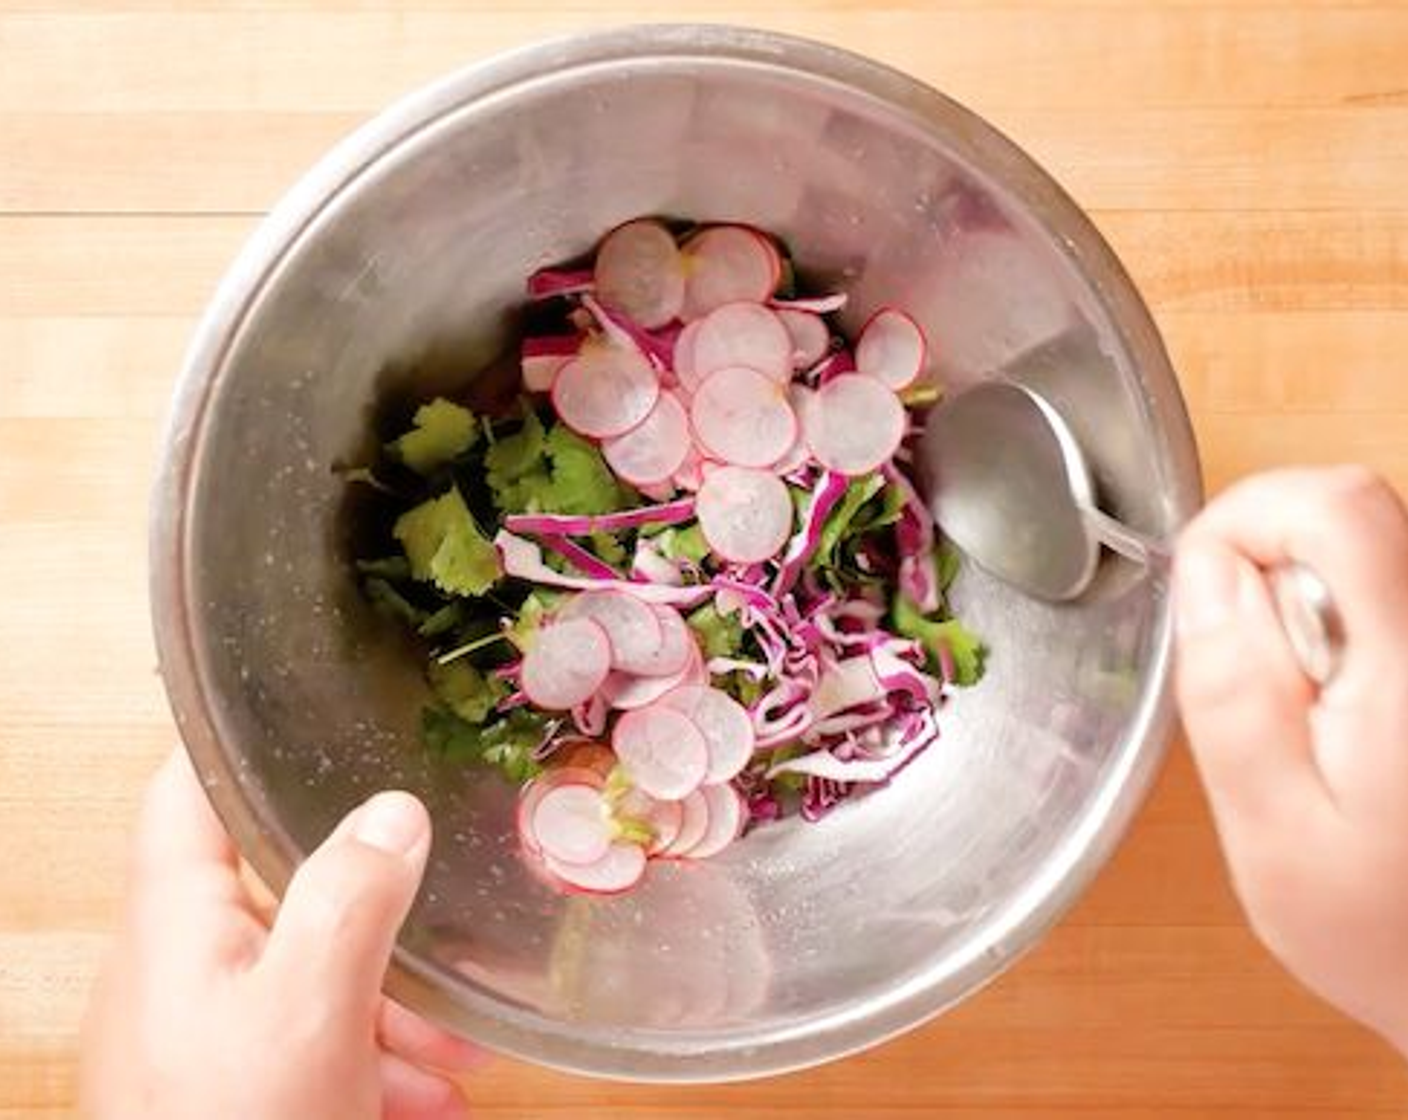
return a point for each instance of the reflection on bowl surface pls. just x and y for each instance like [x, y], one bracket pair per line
[394, 270]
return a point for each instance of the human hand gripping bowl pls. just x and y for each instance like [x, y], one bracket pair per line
[392, 280]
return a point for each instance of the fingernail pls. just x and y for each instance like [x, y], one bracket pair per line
[394, 822]
[1205, 590]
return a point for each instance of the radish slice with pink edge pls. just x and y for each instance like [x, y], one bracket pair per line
[745, 514]
[727, 263]
[727, 815]
[570, 824]
[891, 348]
[854, 424]
[632, 627]
[605, 391]
[694, 823]
[655, 448]
[544, 356]
[677, 645]
[618, 870]
[537, 789]
[639, 272]
[683, 358]
[810, 337]
[743, 417]
[626, 692]
[567, 663]
[662, 751]
[725, 724]
[743, 334]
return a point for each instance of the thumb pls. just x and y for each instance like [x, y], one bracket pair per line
[338, 922]
[1244, 701]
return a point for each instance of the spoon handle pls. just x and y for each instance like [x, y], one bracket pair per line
[1306, 609]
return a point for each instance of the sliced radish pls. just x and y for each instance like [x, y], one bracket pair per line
[810, 337]
[639, 272]
[544, 356]
[537, 789]
[727, 815]
[570, 824]
[605, 391]
[891, 348]
[694, 823]
[745, 514]
[618, 870]
[727, 263]
[743, 334]
[854, 425]
[684, 357]
[662, 751]
[677, 645]
[743, 417]
[626, 692]
[655, 448]
[725, 724]
[632, 627]
[566, 664]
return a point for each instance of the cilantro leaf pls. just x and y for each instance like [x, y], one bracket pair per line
[464, 690]
[445, 546]
[719, 635]
[507, 744]
[581, 480]
[443, 431]
[686, 543]
[609, 549]
[516, 468]
[963, 647]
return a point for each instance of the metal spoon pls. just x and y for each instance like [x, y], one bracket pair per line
[1008, 484]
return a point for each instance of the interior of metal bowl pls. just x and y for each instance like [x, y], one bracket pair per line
[397, 269]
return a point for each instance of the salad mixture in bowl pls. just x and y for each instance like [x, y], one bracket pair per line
[680, 582]
[615, 571]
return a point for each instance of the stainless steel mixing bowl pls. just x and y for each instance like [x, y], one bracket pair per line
[396, 266]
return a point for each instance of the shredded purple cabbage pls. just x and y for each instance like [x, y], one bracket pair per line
[581, 525]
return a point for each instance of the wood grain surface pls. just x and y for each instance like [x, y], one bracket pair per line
[1248, 160]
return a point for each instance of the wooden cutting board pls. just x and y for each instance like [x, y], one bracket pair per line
[1247, 158]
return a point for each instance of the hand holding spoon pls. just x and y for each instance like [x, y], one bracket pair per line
[1009, 485]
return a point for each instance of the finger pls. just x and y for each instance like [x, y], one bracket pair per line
[186, 900]
[1350, 528]
[408, 1093]
[1243, 699]
[334, 934]
[424, 1044]
[177, 830]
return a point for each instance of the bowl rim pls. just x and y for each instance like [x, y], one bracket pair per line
[1015, 926]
